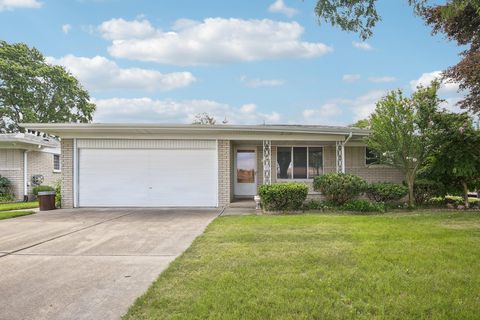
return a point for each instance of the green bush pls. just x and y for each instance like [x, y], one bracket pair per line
[41, 188]
[424, 190]
[360, 205]
[318, 205]
[7, 198]
[58, 194]
[386, 191]
[283, 196]
[436, 202]
[6, 193]
[454, 200]
[339, 187]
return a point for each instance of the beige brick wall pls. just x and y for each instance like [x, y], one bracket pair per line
[41, 163]
[224, 172]
[67, 173]
[11, 167]
[355, 164]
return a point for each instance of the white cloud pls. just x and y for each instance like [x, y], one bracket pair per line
[362, 46]
[171, 111]
[100, 73]
[343, 111]
[383, 79]
[427, 78]
[123, 29]
[8, 5]
[351, 77]
[325, 114]
[364, 105]
[212, 41]
[279, 6]
[66, 28]
[259, 83]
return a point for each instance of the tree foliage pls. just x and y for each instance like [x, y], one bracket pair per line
[204, 118]
[31, 90]
[399, 131]
[362, 124]
[455, 152]
[459, 20]
[358, 16]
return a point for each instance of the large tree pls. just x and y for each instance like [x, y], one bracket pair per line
[31, 90]
[400, 127]
[455, 152]
[459, 20]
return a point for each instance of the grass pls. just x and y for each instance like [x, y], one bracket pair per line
[18, 205]
[14, 214]
[324, 266]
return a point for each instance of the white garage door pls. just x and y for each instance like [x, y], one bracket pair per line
[147, 178]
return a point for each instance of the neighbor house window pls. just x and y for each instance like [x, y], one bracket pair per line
[299, 162]
[56, 162]
[370, 157]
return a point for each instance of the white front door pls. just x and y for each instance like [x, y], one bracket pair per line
[245, 171]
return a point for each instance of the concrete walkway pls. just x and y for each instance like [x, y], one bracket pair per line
[88, 264]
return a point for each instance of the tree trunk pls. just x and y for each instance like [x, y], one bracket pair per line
[411, 196]
[465, 194]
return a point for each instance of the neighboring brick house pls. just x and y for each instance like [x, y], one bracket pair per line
[25, 156]
[155, 165]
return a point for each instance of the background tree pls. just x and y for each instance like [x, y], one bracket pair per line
[362, 124]
[459, 20]
[399, 132]
[204, 118]
[455, 153]
[33, 91]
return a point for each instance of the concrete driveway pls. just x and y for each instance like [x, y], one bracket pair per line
[89, 263]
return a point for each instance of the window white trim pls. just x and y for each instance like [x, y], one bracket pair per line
[55, 170]
[291, 161]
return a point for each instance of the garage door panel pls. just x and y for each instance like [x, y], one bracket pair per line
[191, 176]
[151, 177]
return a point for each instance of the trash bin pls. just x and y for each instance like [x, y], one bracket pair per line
[46, 200]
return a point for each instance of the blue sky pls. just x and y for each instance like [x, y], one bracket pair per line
[249, 61]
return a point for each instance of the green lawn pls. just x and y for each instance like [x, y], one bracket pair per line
[13, 214]
[394, 266]
[18, 205]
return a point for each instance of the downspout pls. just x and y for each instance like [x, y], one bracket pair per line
[25, 175]
[343, 150]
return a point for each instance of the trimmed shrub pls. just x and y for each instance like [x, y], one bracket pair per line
[318, 205]
[6, 193]
[339, 187]
[386, 191]
[41, 188]
[360, 205]
[424, 190]
[453, 200]
[283, 196]
[58, 194]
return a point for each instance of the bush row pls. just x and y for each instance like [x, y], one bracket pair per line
[356, 205]
[339, 189]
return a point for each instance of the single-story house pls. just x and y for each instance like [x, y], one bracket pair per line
[26, 159]
[157, 165]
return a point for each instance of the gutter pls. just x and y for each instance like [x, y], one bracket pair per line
[25, 175]
[350, 135]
